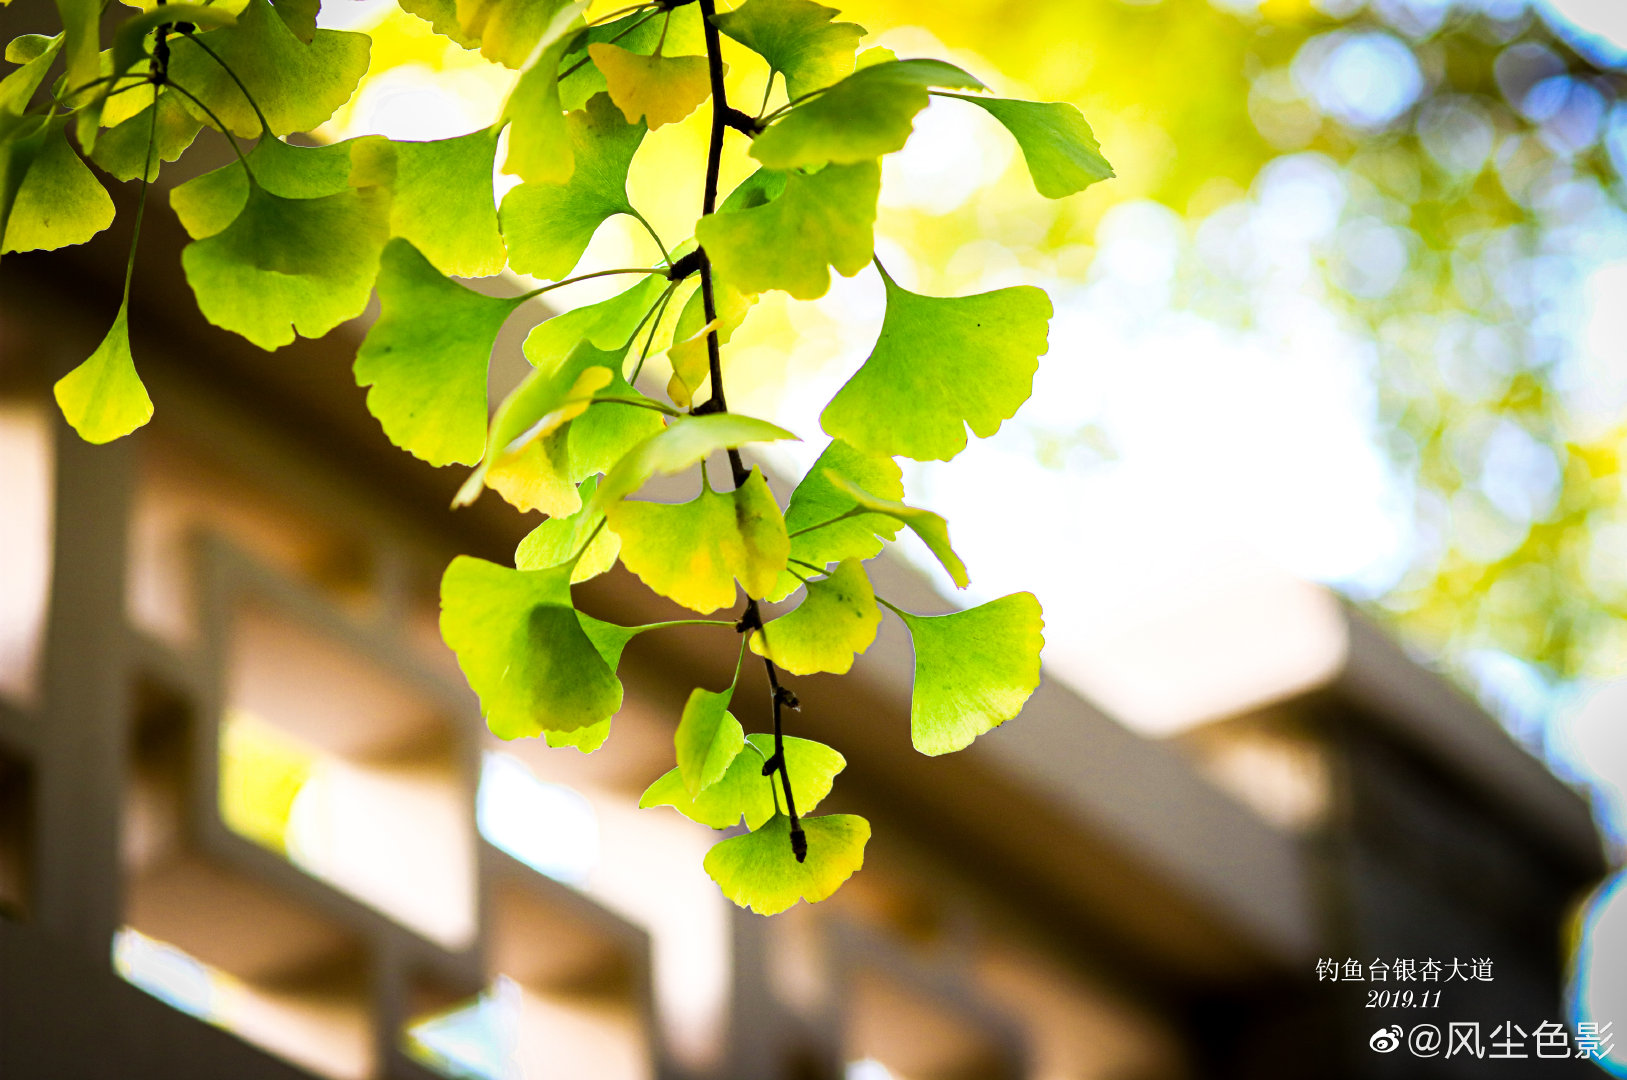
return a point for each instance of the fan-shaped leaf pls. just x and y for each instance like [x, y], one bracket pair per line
[974, 669]
[824, 219]
[103, 398]
[744, 791]
[835, 622]
[1062, 153]
[693, 552]
[207, 204]
[441, 198]
[940, 364]
[931, 528]
[866, 115]
[797, 38]
[656, 89]
[122, 150]
[425, 358]
[523, 649]
[686, 442]
[60, 202]
[560, 538]
[297, 86]
[821, 521]
[547, 225]
[707, 740]
[758, 870]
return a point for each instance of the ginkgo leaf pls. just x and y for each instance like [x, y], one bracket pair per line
[130, 39]
[441, 198]
[442, 16]
[657, 89]
[122, 150]
[523, 649]
[819, 220]
[297, 86]
[866, 115]
[607, 325]
[744, 791]
[1062, 153]
[610, 640]
[690, 360]
[931, 528]
[36, 53]
[207, 204]
[510, 31]
[560, 538]
[687, 441]
[974, 669]
[548, 226]
[940, 364]
[694, 552]
[526, 451]
[539, 143]
[797, 38]
[835, 622]
[82, 62]
[103, 398]
[758, 870]
[707, 740]
[547, 435]
[679, 32]
[425, 358]
[60, 202]
[820, 519]
[21, 138]
[299, 16]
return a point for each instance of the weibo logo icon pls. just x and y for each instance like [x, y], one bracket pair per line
[1386, 1039]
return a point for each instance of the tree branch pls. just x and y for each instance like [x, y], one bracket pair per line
[722, 119]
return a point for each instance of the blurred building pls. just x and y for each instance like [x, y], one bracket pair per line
[251, 824]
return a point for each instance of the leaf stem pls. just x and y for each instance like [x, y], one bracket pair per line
[843, 516]
[584, 277]
[659, 311]
[752, 619]
[665, 255]
[141, 202]
[643, 403]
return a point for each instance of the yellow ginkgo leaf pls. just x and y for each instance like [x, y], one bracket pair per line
[691, 363]
[661, 89]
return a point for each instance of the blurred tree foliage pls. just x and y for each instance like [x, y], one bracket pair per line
[1482, 158]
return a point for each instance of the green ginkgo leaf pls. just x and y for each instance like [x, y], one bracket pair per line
[82, 62]
[560, 538]
[297, 86]
[657, 90]
[103, 398]
[823, 522]
[744, 791]
[539, 143]
[866, 115]
[974, 669]
[208, 203]
[694, 552]
[797, 38]
[511, 31]
[21, 138]
[425, 358]
[442, 198]
[548, 226]
[940, 364]
[931, 528]
[299, 16]
[707, 740]
[821, 220]
[835, 622]
[1062, 153]
[758, 870]
[442, 16]
[523, 649]
[608, 324]
[122, 150]
[683, 444]
[678, 32]
[60, 201]
[36, 53]
[610, 640]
